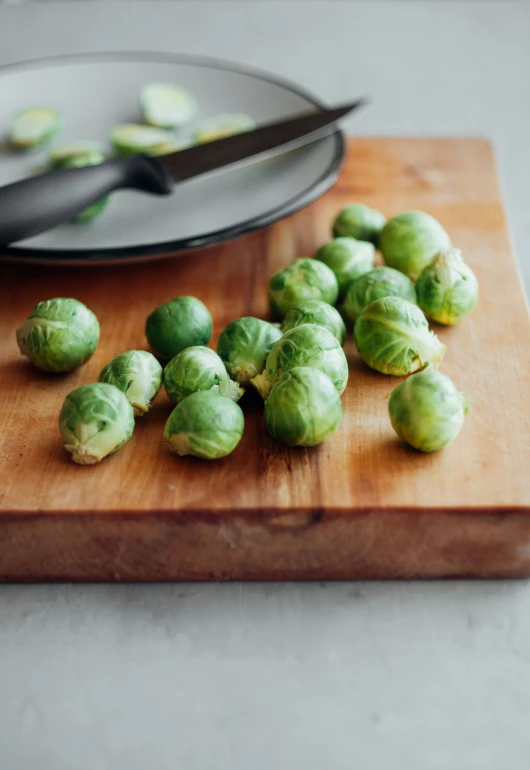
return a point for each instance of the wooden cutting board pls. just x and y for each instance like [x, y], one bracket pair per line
[362, 505]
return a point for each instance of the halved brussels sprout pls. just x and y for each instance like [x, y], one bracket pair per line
[91, 212]
[378, 283]
[222, 126]
[198, 368]
[167, 105]
[307, 345]
[95, 421]
[132, 139]
[359, 221]
[348, 258]
[314, 311]
[178, 324]
[410, 240]
[136, 373]
[59, 335]
[244, 346]
[78, 161]
[303, 279]
[427, 411]
[58, 156]
[303, 408]
[34, 127]
[166, 148]
[447, 289]
[206, 425]
[392, 336]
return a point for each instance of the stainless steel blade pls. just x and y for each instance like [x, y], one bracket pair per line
[264, 141]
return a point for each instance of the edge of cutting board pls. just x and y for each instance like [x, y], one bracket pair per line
[291, 545]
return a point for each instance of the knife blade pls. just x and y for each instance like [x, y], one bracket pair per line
[282, 135]
[32, 206]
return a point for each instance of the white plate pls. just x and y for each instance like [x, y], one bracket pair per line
[95, 92]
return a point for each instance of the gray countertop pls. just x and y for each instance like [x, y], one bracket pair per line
[390, 676]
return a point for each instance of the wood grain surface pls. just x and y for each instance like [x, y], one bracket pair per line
[362, 505]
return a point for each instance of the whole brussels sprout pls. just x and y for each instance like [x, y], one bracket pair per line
[359, 221]
[244, 345]
[392, 336]
[303, 408]
[409, 241]
[308, 345]
[447, 289]
[59, 335]
[205, 425]
[136, 373]
[179, 324]
[303, 279]
[348, 258]
[198, 368]
[378, 283]
[427, 411]
[95, 421]
[314, 311]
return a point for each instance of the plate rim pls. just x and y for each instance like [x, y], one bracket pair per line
[179, 246]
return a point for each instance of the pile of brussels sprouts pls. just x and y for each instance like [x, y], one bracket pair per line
[424, 277]
[297, 363]
[166, 108]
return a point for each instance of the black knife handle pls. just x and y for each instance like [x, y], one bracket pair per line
[31, 206]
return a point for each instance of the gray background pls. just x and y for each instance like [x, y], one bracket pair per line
[383, 676]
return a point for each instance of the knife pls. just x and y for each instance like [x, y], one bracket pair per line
[32, 206]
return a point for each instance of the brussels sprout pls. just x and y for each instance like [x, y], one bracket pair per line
[198, 368]
[427, 411]
[166, 148]
[136, 373]
[303, 408]
[303, 279]
[359, 221]
[447, 289]
[314, 311]
[180, 323]
[34, 127]
[95, 421]
[348, 259]
[378, 283]
[308, 345]
[244, 345]
[205, 425]
[409, 241]
[392, 336]
[59, 335]
[223, 126]
[131, 139]
[167, 105]
[91, 212]
[78, 161]
[58, 156]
